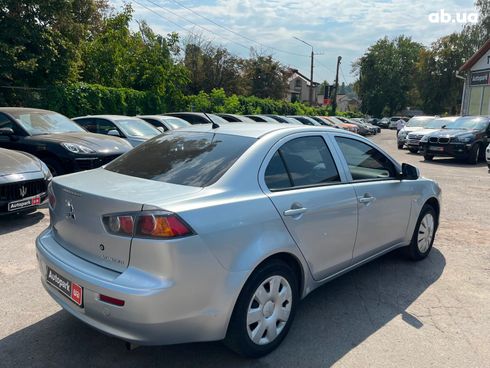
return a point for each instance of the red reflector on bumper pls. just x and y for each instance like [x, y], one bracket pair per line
[111, 300]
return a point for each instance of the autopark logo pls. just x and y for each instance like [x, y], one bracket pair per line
[444, 17]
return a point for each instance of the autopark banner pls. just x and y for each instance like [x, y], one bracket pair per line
[480, 78]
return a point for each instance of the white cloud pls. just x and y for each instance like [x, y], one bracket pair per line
[334, 27]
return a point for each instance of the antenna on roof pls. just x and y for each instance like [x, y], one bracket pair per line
[214, 125]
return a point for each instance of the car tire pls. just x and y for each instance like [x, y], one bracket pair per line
[474, 155]
[54, 166]
[413, 150]
[424, 234]
[277, 285]
[428, 157]
[400, 146]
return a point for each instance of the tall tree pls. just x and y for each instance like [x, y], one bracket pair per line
[266, 77]
[39, 39]
[386, 75]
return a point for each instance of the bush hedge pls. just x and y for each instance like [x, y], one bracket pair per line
[85, 99]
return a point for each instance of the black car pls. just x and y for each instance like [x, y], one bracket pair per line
[24, 182]
[198, 117]
[235, 118]
[465, 138]
[60, 143]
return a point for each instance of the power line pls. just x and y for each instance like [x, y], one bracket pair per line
[189, 21]
[234, 32]
[197, 25]
[161, 16]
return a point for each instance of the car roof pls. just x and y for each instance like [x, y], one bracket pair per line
[252, 130]
[109, 117]
[22, 109]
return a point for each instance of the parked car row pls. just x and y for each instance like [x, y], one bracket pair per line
[69, 145]
[464, 137]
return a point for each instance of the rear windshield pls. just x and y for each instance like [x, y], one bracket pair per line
[196, 159]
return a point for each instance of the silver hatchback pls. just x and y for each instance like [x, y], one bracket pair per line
[208, 234]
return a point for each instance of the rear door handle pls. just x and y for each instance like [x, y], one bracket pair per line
[295, 211]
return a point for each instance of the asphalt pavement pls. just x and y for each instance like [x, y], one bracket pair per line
[389, 313]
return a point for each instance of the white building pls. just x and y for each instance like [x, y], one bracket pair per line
[299, 87]
[476, 95]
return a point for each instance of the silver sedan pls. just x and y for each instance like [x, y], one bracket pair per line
[216, 234]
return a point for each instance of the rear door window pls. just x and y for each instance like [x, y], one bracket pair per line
[188, 158]
[301, 162]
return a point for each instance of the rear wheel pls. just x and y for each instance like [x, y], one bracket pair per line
[474, 154]
[428, 157]
[400, 146]
[264, 310]
[413, 150]
[424, 233]
[54, 166]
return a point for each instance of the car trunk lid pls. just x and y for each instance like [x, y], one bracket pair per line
[83, 199]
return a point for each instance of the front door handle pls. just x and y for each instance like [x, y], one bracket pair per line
[366, 199]
[295, 211]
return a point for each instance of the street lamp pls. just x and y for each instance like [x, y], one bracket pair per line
[311, 69]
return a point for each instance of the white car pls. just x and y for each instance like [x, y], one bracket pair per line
[488, 156]
[414, 124]
[394, 121]
[413, 138]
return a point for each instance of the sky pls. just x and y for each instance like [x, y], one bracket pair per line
[333, 27]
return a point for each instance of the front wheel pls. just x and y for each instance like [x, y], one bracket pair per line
[424, 233]
[428, 157]
[413, 150]
[400, 146]
[264, 310]
[474, 154]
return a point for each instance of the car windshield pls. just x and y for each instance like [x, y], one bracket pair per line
[217, 119]
[137, 128]
[419, 121]
[438, 123]
[468, 123]
[335, 120]
[45, 122]
[187, 158]
[177, 123]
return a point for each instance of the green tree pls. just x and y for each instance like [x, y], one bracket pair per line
[386, 75]
[266, 77]
[39, 39]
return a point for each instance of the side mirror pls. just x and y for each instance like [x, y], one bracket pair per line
[7, 131]
[114, 133]
[409, 172]
[443, 127]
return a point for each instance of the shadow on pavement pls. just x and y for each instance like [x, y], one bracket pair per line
[10, 223]
[330, 322]
[449, 161]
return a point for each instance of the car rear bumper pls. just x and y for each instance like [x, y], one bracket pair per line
[156, 310]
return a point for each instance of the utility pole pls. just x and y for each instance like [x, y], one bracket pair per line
[334, 99]
[312, 88]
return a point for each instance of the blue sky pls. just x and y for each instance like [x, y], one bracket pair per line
[333, 27]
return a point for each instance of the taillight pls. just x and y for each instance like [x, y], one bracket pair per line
[51, 196]
[147, 225]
